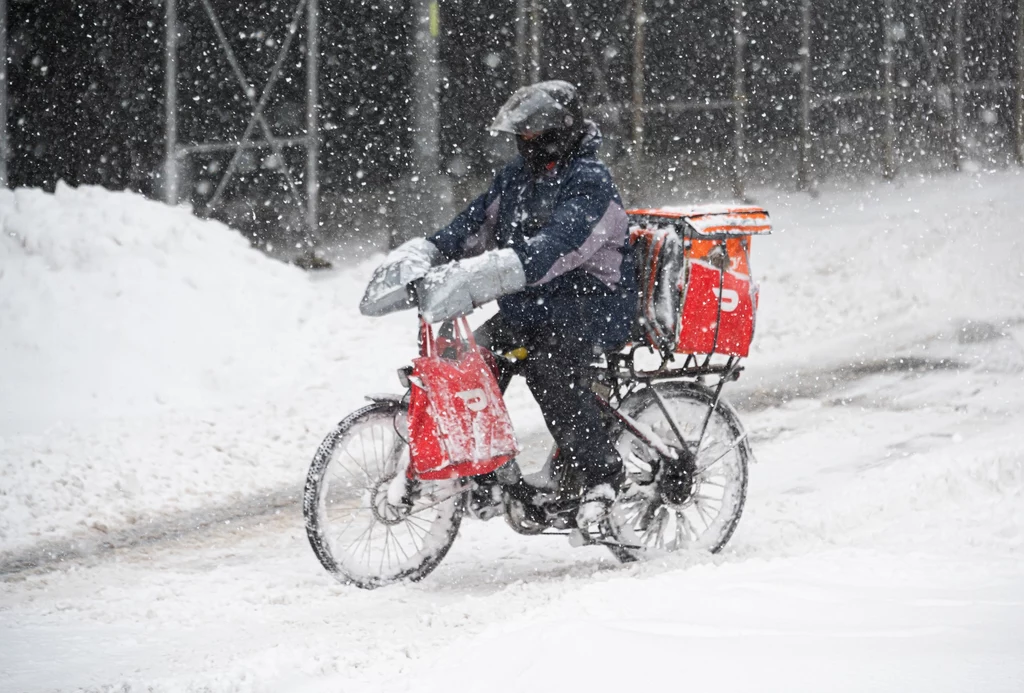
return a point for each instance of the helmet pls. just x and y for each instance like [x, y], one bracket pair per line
[547, 120]
[540, 108]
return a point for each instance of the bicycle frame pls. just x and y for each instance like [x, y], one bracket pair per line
[621, 373]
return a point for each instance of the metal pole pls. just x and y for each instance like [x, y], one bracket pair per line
[535, 39]
[639, 36]
[171, 102]
[5, 148]
[425, 116]
[804, 173]
[522, 41]
[312, 121]
[958, 91]
[739, 98]
[888, 92]
[1020, 82]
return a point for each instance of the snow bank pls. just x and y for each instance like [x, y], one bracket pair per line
[880, 548]
[152, 362]
[115, 305]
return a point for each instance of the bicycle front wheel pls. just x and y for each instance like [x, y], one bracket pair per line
[362, 530]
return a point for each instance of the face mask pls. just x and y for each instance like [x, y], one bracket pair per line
[541, 151]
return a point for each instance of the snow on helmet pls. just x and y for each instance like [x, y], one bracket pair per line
[547, 120]
[540, 108]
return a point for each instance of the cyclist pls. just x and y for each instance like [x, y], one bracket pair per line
[549, 241]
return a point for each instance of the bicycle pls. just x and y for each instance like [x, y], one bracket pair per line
[371, 522]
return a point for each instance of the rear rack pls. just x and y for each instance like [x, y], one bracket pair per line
[623, 365]
[707, 222]
[726, 371]
[619, 378]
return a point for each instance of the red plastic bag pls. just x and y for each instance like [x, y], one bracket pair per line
[458, 423]
[718, 312]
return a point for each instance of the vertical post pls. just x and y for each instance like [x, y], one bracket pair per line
[171, 102]
[522, 42]
[425, 116]
[958, 91]
[888, 92]
[312, 121]
[739, 97]
[536, 32]
[639, 39]
[804, 171]
[5, 148]
[1020, 82]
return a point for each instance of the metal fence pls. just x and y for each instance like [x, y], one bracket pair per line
[175, 151]
[946, 85]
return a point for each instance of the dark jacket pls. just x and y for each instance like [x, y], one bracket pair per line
[571, 233]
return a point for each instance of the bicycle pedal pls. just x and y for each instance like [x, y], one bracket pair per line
[486, 502]
[560, 505]
[487, 512]
[579, 538]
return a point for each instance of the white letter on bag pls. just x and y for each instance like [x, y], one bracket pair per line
[729, 298]
[476, 400]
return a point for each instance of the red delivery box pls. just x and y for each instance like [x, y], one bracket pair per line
[712, 306]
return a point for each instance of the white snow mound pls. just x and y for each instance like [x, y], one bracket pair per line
[112, 304]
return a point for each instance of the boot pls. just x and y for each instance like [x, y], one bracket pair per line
[485, 498]
[597, 500]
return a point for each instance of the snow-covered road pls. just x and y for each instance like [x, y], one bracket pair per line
[882, 546]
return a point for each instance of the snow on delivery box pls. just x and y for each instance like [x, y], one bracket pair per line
[697, 293]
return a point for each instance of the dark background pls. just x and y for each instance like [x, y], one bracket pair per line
[86, 91]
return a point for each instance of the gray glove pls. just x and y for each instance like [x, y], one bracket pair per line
[388, 289]
[455, 289]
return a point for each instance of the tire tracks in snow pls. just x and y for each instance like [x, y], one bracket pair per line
[815, 384]
[51, 555]
[281, 504]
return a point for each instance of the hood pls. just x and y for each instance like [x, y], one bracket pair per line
[591, 142]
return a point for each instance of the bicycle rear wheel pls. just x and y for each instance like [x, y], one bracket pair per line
[669, 505]
[359, 529]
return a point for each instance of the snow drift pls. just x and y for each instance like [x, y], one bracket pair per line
[152, 361]
[116, 305]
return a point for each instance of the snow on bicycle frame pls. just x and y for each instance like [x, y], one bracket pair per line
[697, 292]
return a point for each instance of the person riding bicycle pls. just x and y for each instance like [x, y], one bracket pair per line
[549, 241]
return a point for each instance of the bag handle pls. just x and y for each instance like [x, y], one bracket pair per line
[463, 332]
[428, 344]
[426, 339]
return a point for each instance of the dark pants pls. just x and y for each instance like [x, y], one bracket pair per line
[558, 375]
